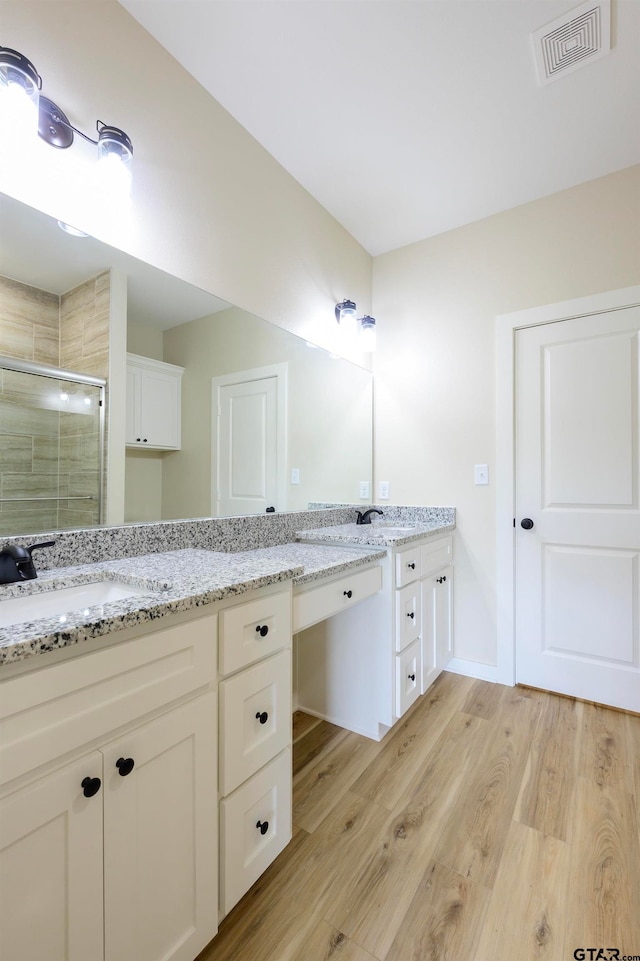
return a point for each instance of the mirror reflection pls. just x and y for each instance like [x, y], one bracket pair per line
[264, 419]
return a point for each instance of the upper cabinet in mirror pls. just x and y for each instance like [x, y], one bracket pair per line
[268, 421]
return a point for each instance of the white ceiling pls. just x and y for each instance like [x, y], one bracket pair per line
[407, 118]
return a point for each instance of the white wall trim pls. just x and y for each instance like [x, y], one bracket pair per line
[506, 327]
[481, 672]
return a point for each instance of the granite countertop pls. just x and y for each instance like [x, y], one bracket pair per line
[172, 581]
[377, 533]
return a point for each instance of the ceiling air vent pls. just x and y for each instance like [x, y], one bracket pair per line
[579, 37]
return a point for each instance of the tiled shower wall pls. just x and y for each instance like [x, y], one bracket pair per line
[45, 448]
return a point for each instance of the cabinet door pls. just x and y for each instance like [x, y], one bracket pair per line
[437, 635]
[51, 868]
[160, 834]
[132, 410]
[160, 409]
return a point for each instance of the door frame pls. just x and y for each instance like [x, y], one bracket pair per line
[279, 371]
[506, 327]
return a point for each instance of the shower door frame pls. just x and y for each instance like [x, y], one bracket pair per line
[58, 373]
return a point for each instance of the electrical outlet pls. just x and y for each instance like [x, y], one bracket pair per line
[364, 490]
[295, 475]
[383, 490]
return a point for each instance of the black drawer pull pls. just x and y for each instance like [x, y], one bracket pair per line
[262, 716]
[90, 786]
[348, 594]
[262, 630]
[262, 826]
[412, 677]
[125, 765]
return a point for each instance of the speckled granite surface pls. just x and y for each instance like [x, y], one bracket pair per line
[392, 514]
[176, 581]
[227, 534]
[383, 532]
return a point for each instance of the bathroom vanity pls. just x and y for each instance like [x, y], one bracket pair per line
[363, 668]
[145, 742]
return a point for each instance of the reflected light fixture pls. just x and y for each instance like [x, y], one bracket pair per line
[23, 106]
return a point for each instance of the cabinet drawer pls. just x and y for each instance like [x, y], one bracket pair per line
[407, 566]
[408, 677]
[408, 615]
[58, 708]
[255, 826]
[437, 553]
[316, 604]
[254, 630]
[255, 719]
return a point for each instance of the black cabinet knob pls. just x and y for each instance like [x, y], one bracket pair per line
[411, 614]
[262, 630]
[527, 523]
[90, 786]
[348, 594]
[125, 765]
[412, 677]
[412, 566]
[262, 826]
[144, 440]
[262, 716]
[138, 439]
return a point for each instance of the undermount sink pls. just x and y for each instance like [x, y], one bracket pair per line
[66, 600]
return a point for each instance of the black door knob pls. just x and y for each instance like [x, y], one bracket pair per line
[348, 594]
[262, 716]
[412, 677]
[90, 786]
[125, 765]
[412, 566]
[262, 630]
[442, 579]
[411, 614]
[263, 826]
[527, 523]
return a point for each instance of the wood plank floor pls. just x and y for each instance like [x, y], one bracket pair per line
[494, 824]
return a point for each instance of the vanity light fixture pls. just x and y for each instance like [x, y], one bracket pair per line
[23, 105]
[367, 329]
[346, 312]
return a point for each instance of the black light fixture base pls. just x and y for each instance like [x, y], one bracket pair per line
[53, 124]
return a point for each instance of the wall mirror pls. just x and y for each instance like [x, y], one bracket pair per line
[323, 404]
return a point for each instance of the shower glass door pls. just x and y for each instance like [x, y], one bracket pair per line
[51, 448]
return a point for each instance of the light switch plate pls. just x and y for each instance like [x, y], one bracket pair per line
[295, 475]
[383, 490]
[364, 490]
[481, 474]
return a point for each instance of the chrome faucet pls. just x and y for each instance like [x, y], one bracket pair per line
[16, 562]
[366, 517]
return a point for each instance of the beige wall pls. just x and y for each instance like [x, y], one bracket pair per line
[436, 303]
[209, 204]
[329, 405]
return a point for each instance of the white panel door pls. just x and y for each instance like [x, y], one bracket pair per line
[247, 446]
[578, 481]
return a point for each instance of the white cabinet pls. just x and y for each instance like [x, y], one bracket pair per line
[51, 868]
[363, 667]
[153, 408]
[255, 740]
[111, 853]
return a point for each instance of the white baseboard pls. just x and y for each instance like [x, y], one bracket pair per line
[482, 672]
